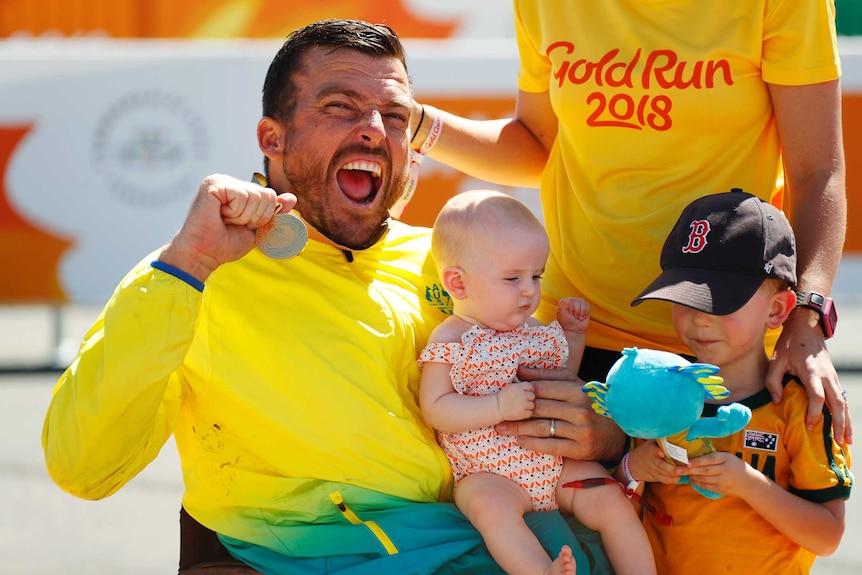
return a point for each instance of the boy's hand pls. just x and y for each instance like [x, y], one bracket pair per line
[573, 314]
[720, 472]
[516, 401]
[647, 463]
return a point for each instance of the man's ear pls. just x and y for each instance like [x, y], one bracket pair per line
[453, 281]
[270, 137]
[783, 303]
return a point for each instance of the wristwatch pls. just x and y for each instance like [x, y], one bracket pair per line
[825, 308]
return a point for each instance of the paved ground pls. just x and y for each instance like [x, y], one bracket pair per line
[47, 532]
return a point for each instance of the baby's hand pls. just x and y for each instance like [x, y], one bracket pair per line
[573, 314]
[516, 401]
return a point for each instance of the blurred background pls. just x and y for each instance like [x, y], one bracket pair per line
[113, 111]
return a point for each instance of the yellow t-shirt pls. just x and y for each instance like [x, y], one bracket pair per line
[726, 535]
[659, 102]
[283, 382]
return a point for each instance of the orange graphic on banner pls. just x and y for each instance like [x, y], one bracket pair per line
[276, 18]
[28, 255]
[852, 110]
[203, 18]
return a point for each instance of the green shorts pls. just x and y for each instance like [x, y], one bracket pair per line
[418, 539]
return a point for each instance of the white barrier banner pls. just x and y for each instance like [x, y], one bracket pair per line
[105, 143]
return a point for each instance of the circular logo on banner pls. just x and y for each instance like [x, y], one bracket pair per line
[147, 147]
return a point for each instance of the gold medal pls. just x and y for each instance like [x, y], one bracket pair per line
[284, 236]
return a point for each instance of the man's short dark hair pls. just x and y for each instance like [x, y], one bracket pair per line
[376, 40]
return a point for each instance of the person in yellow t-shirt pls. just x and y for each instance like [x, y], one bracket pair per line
[290, 385]
[626, 111]
[728, 267]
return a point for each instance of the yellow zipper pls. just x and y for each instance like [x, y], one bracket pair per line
[375, 529]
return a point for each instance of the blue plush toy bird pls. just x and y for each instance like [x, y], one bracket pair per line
[658, 395]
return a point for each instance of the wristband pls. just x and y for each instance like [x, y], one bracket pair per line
[178, 273]
[434, 133]
[631, 483]
[416, 155]
[428, 130]
[419, 125]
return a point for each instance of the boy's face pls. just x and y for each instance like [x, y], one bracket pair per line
[735, 339]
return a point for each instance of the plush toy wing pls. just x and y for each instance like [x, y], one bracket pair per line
[729, 420]
[704, 374]
[598, 391]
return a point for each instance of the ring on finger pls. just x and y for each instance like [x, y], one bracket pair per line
[844, 394]
[552, 431]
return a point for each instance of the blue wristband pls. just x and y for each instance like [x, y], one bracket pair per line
[178, 273]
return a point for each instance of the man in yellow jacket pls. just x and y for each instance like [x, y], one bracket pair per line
[290, 385]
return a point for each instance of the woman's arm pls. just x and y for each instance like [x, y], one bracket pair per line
[510, 152]
[809, 126]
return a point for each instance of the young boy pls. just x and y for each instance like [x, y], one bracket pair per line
[728, 268]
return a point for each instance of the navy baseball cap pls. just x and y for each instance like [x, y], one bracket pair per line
[719, 252]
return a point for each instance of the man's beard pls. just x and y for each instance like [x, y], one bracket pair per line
[309, 182]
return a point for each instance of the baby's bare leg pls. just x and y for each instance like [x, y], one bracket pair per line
[496, 506]
[607, 510]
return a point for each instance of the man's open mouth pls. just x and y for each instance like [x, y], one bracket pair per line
[360, 180]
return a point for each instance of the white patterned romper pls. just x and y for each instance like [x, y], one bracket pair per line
[483, 363]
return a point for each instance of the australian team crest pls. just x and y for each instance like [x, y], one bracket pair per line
[439, 298]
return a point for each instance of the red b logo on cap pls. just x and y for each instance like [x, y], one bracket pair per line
[697, 237]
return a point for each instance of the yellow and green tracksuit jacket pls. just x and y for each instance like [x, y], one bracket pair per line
[283, 383]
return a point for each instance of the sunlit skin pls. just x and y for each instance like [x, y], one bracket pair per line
[351, 114]
[343, 150]
[732, 341]
[504, 290]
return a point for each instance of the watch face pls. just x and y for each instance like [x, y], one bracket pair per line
[824, 306]
[829, 319]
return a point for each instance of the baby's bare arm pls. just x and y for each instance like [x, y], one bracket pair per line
[573, 314]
